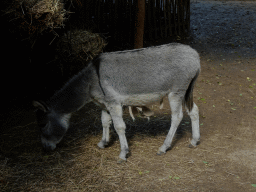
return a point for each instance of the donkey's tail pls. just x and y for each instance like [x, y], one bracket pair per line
[188, 99]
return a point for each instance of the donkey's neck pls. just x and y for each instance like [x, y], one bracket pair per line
[74, 94]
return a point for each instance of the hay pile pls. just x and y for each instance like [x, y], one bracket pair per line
[35, 16]
[80, 45]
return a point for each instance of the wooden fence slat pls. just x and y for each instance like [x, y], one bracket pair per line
[154, 17]
[130, 21]
[169, 17]
[151, 16]
[139, 24]
[160, 17]
[178, 13]
[174, 16]
[188, 15]
[115, 20]
[98, 17]
[127, 18]
[183, 5]
[148, 29]
[165, 19]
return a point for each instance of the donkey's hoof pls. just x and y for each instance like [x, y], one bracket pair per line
[160, 153]
[101, 145]
[194, 144]
[120, 161]
[191, 146]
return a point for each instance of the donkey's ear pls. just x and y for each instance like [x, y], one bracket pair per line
[40, 105]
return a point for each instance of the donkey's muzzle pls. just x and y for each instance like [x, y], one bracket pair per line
[48, 145]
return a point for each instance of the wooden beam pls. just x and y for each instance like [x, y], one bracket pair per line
[139, 24]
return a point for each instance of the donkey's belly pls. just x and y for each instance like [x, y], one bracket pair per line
[142, 99]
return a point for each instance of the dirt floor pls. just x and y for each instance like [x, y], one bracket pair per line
[224, 35]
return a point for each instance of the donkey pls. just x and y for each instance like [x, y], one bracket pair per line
[126, 78]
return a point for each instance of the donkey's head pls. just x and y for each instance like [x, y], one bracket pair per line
[52, 125]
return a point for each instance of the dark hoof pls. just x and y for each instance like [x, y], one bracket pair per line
[194, 146]
[191, 146]
[120, 161]
[102, 145]
[160, 153]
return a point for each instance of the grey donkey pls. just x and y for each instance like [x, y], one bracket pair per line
[126, 78]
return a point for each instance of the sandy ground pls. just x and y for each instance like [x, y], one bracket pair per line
[224, 27]
[224, 35]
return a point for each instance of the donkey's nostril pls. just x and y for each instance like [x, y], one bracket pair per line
[48, 145]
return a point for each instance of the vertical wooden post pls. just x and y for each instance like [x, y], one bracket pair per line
[165, 18]
[139, 24]
[188, 14]
[149, 22]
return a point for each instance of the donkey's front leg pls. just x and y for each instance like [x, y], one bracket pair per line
[116, 113]
[106, 122]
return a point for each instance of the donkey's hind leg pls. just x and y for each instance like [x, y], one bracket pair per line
[106, 122]
[175, 101]
[194, 115]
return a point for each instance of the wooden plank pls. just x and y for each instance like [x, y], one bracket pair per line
[127, 13]
[139, 25]
[120, 20]
[111, 17]
[154, 17]
[151, 17]
[188, 15]
[131, 20]
[97, 16]
[183, 16]
[86, 12]
[115, 20]
[103, 14]
[174, 16]
[169, 17]
[147, 20]
[160, 17]
[165, 18]
[178, 13]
